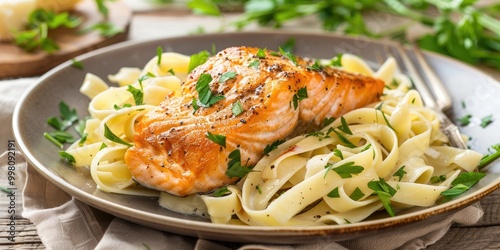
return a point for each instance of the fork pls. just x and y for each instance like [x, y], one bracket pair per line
[439, 99]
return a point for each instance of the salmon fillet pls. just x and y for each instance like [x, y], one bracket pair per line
[171, 151]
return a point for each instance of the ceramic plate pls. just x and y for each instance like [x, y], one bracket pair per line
[466, 84]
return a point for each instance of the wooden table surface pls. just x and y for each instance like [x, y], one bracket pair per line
[147, 25]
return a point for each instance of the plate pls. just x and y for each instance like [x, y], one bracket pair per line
[467, 85]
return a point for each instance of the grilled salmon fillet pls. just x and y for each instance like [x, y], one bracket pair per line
[172, 152]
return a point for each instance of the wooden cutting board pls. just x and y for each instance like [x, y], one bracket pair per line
[14, 62]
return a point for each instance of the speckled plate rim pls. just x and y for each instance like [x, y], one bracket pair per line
[235, 232]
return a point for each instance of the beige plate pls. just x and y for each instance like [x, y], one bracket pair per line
[478, 91]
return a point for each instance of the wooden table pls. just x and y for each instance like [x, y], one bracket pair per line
[147, 25]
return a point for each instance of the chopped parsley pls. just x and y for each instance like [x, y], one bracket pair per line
[489, 158]
[288, 55]
[67, 156]
[221, 191]
[205, 95]
[344, 127]
[76, 64]
[68, 116]
[464, 120]
[234, 167]
[384, 191]
[400, 173]
[273, 146]
[338, 153]
[345, 170]
[137, 94]
[227, 76]
[126, 105]
[301, 95]
[328, 120]
[487, 120]
[343, 139]
[288, 45]
[218, 139]
[387, 122]
[114, 138]
[316, 66]
[461, 184]
[334, 193]
[171, 71]
[336, 60]
[159, 53]
[237, 108]
[254, 64]
[437, 179]
[356, 194]
[198, 59]
[261, 53]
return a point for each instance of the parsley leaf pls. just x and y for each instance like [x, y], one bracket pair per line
[464, 120]
[273, 146]
[76, 64]
[344, 127]
[235, 169]
[114, 138]
[400, 173]
[384, 191]
[346, 170]
[221, 191]
[343, 139]
[487, 120]
[288, 55]
[159, 53]
[336, 60]
[205, 95]
[301, 95]
[67, 156]
[254, 64]
[227, 76]
[198, 59]
[334, 193]
[261, 53]
[316, 66]
[461, 184]
[237, 109]
[328, 120]
[356, 194]
[137, 94]
[218, 139]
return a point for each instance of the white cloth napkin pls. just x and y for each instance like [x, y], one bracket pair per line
[66, 223]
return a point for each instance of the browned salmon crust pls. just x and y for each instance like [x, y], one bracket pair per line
[171, 151]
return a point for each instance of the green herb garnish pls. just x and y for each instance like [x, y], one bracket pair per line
[254, 64]
[487, 120]
[76, 64]
[198, 59]
[334, 193]
[328, 120]
[464, 120]
[205, 95]
[235, 168]
[301, 95]
[227, 76]
[336, 60]
[461, 184]
[344, 127]
[273, 146]
[288, 55]
[159, 53]
[137, 94]
[384, 192]
[316, 66]
[114, 138]
[67, 156]
[346, 170]
[400, 173]
[261, 53]
[237, 108]
[218, 139]
[221, 191]
[356, 194]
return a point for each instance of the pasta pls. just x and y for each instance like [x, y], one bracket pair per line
[385, 155]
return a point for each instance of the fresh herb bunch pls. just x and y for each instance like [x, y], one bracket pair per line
[461, 29]
[41, 22]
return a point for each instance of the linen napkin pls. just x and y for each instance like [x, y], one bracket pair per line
[64, 222]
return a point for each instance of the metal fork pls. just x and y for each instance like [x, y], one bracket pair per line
[439, 100]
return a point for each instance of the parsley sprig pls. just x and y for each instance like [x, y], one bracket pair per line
[235, 167]
[384, 191]
[205, 95]
[40, 23]
[461, 184]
